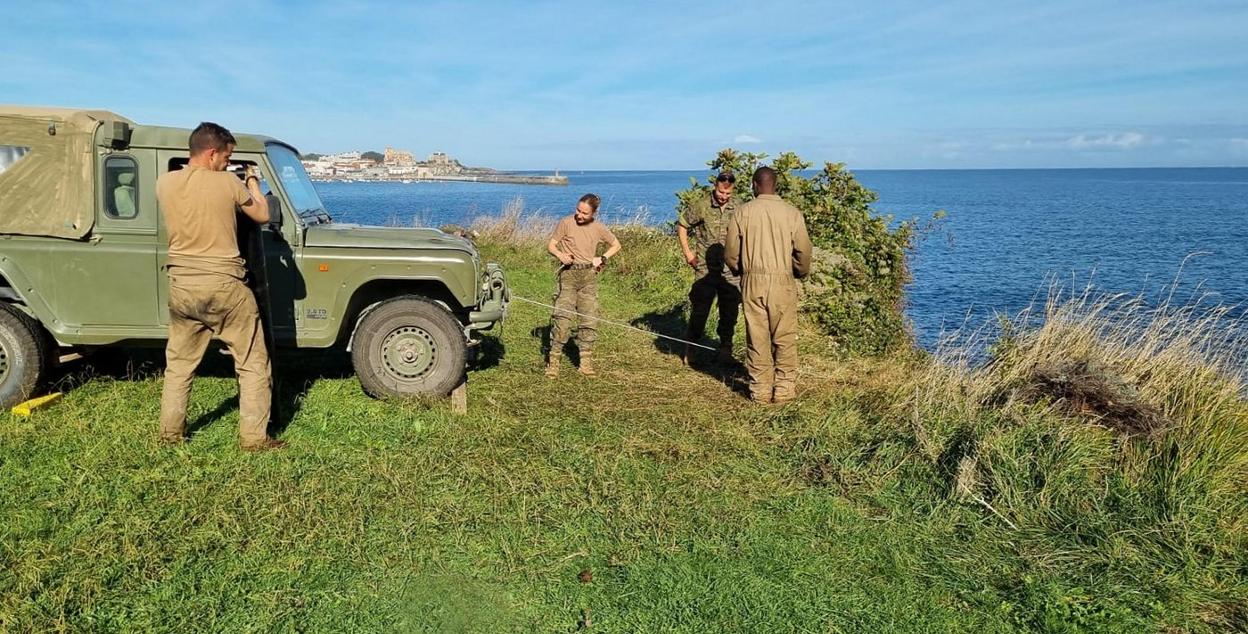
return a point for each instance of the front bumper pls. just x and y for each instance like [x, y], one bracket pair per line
[494, 297]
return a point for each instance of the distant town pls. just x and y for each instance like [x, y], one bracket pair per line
[402, 166]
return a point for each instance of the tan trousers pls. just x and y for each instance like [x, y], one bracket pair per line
[578, 291]
[203, 306]
[770, 303]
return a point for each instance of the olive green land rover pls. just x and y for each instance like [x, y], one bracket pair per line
[82, 246]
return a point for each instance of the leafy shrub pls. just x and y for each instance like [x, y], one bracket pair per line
[856, 289]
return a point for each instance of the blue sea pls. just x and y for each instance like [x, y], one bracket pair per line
[1008, 236]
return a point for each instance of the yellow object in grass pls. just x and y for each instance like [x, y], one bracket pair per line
[24, 409]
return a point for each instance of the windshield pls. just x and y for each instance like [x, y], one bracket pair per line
[308, 205]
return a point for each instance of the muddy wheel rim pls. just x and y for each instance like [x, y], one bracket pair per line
[4, 362]
[409, 353]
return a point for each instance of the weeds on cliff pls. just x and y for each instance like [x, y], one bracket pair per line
[514, 224]
[1112, 431]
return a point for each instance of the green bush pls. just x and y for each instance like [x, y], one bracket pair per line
[856, 290]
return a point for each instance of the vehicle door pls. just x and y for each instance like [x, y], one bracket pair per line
[108, 281]
[280, 264]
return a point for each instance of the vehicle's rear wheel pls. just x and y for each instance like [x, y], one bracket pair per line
[24, 356]
[409, 346]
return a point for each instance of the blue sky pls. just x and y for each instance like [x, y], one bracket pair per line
[588, 85]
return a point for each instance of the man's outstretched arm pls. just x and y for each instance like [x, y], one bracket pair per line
[258, 207]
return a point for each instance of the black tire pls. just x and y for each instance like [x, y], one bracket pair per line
[24, 356]
[409, 346]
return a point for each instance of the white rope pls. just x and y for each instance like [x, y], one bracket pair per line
[801, 371]
[608, 321]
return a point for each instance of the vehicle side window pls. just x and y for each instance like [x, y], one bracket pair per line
[121, 182]
[10, 154]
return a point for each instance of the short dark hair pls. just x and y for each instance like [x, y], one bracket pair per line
[765, 177]
[592, 199]
[726, 176]
[210, 136]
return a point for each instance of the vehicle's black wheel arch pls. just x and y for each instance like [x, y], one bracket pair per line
[28, 354]
[373, 293]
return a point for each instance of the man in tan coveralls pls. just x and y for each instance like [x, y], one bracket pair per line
[207, 295]
[768, 246]
[707, 220]
[575, 242]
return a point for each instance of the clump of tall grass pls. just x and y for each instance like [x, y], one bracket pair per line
[514, 224]
[1113, 430]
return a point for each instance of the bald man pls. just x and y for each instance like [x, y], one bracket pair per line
[767, 245]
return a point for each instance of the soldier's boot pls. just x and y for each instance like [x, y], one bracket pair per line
[552, 365]
[724, 354]
[587, 365]
[784, 395]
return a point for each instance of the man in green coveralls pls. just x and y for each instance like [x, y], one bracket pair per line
[707, 220]
[575, 243]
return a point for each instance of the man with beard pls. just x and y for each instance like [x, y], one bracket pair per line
[706, 221]
[575, 242]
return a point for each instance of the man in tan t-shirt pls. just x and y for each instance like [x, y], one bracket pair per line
[575, 242]
[768, 246]
[207, 295]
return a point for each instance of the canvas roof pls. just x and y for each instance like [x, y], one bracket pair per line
[46, 172]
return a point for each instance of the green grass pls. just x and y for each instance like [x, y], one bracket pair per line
[692, 509]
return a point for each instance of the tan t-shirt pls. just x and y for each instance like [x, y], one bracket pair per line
[200, 207]
[581, 241]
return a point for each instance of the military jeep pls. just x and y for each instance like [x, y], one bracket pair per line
[83, 245]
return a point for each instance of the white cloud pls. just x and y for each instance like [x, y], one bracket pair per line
[1123, 141]
[1006, 146]
[746, 138]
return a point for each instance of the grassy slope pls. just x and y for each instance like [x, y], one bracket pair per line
[693, 510]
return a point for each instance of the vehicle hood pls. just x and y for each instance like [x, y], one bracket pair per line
[364, 237]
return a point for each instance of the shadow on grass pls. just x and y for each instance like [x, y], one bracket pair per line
[294, 373]
[673, 323]
[487, 354]
[569, 349]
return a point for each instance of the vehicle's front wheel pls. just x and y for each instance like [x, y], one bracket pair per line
[24, 356]
[409, 346]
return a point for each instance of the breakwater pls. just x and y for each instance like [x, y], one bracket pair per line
[507, 179]
[504, 179]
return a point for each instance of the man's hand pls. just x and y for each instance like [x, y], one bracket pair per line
[682, 234]
[258, 207]
[565, 258]
[598, 261]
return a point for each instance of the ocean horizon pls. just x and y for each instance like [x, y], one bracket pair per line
[1009, 236]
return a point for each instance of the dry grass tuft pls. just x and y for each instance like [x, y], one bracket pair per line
[514, 225]
[1090, 390]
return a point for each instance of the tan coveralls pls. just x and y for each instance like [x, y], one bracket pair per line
[207, 298]
[768, 245]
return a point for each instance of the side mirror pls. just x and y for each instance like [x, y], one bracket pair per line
[275, 212]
